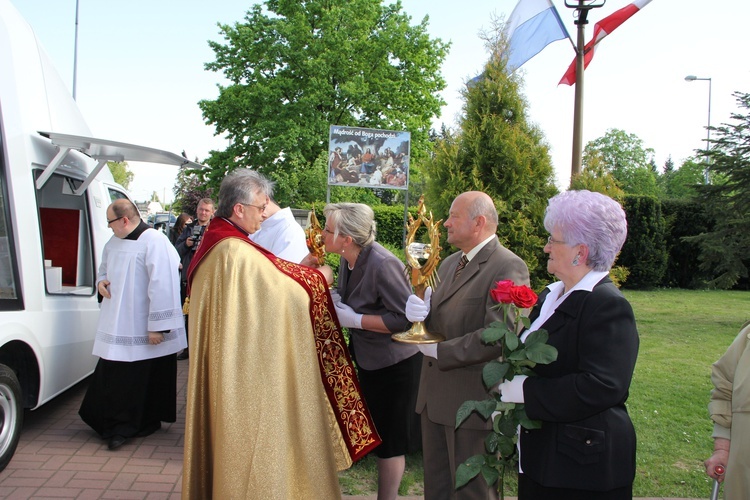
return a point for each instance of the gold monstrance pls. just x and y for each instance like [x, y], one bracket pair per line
[421, 263]
[314, 235]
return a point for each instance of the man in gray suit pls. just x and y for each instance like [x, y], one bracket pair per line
[460, 309]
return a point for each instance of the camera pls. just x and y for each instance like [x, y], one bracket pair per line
[197, 234]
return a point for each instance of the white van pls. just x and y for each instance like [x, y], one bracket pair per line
[54, 192]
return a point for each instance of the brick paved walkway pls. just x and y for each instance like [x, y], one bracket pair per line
[61, 457]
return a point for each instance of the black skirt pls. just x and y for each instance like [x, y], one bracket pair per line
[131, 398]
[391, 396]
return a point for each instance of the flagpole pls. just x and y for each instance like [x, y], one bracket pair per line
[575, 167]
[582, 7]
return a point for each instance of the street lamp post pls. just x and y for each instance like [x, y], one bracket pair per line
[692, 78]
[75, 55]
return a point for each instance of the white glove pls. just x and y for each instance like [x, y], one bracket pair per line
[335, 296]
[347, 317]
[428, 350]
[511, 391]
[418, 309]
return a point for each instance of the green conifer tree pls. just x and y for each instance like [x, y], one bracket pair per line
[497, 150]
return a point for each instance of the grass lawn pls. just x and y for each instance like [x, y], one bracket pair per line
[682, 333]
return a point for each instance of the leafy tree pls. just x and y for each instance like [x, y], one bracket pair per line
[121, 173]
[669, 165]
[188, 190]
[683, 183]
[498, 151]
[727, 199]
[596, 178]
[624, 156]
[295, 68]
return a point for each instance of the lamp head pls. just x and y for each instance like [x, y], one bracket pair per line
[691, 78]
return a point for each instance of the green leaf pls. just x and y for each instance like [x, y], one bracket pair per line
[486, 407]
[466, 409]
[494, 372]
[492, 460]
[469, 470]
[503, 407]
[537, 337]
[507, 427]
[524, 419]
[518, 355]
[511, 340]
[490, 474]
[494, 332]
[525, 321]
[542, 354]
[490, 443]
[506, 446]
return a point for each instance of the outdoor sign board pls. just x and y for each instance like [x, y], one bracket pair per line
[370, 158]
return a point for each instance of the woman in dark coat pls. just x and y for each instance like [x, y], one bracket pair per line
[585, 447]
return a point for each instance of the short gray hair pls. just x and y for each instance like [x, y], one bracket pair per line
[483, 205]
[240, 186]
[591, 219]
[352, 219]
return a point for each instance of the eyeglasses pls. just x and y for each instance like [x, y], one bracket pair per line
[114, 220]
[552, 241]
[262, 208]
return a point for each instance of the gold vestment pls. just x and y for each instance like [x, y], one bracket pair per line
[258, 422]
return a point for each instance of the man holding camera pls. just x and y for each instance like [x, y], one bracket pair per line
[186, 245]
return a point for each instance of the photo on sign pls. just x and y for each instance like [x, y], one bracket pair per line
[370, 158]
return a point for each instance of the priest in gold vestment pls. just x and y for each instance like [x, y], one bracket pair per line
[274, 408]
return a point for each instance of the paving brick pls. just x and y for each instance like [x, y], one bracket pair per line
[124, 494]
[158, 478]
[123, 481]
[115, 464]
[152, 487]
[60, 479]
[21, 494]
[57, 493]
[95, 476]
[32, 473]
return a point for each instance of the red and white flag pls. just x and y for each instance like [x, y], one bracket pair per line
[602, 29]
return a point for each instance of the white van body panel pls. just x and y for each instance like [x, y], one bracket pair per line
[54, 192]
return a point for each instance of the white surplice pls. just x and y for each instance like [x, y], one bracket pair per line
[145, 297]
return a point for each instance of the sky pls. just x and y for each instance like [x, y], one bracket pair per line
[140, 72]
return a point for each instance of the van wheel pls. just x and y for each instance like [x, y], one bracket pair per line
[11, 414]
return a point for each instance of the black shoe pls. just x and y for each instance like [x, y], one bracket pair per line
[183, 355]
[116, 441]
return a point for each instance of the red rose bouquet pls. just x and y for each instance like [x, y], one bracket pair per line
[518, 358]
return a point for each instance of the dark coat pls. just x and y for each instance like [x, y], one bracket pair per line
[587, 440]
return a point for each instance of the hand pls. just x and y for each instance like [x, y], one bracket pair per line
[718, 461]
[310, 260]
[347, 317]
[189, 242]
[417, 309]
[428, 350]
[335, 296]
[511, 391]
[103, 288]
[155, 338]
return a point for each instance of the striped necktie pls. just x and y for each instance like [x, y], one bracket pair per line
[461, 264]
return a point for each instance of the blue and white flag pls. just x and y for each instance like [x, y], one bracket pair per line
[532, 25]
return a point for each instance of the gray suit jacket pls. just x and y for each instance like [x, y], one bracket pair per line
[461, 310]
